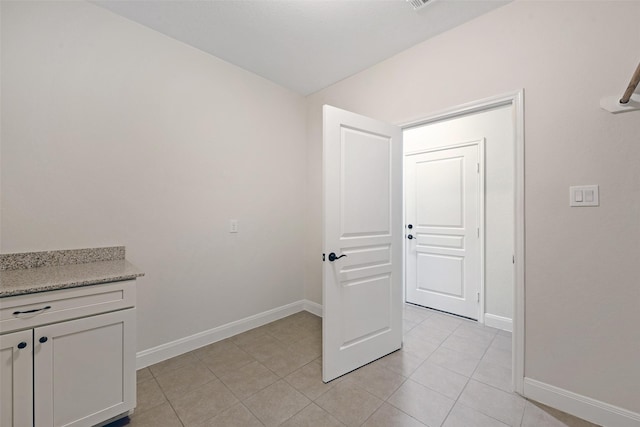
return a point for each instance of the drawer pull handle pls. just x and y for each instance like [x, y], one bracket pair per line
[35, 310]
[22, 345]
[43, 340]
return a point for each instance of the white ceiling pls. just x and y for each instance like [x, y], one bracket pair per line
[304, 45]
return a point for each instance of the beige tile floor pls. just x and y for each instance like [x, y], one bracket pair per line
[450, 372]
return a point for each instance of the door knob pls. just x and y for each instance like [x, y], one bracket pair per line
[22, 345]
[43, 340]
[410, 236]
[410, 226]
[333, 256]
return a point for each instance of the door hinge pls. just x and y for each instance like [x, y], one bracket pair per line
[478, 229]
[478, 167]
[513, 259]
[478, 296]
[322, 257]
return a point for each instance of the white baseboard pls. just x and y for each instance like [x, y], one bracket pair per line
[313, 307]
[498, 322]
[175, 348]
[584, 407]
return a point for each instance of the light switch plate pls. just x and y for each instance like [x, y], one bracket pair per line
[584, 195]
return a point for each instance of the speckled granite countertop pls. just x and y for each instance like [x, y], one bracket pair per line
[32, 272]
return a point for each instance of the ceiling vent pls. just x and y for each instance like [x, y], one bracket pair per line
[419, 4]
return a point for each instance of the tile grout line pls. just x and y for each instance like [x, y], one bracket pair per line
[492, 345]
[171, 405]
[469, 378]
[252, 413]
[279, 377]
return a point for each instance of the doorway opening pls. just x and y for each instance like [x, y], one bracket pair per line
[464, 249]
[362, 174]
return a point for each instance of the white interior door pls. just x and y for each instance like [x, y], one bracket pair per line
[362, 290]
[443, 220]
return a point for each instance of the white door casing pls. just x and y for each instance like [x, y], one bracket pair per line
[362, 219]
[515, 100]
[444, 194]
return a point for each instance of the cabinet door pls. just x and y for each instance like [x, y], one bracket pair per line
[16, 379]
[84, 370]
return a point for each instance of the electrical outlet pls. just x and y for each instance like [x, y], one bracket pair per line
[233, 226]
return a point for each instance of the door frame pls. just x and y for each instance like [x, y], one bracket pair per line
[480, 142]
[515, 99]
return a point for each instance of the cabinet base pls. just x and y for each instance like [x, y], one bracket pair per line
[117, 421]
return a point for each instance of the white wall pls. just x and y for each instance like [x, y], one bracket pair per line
[497, 128]
[115, 134]
[582, 288]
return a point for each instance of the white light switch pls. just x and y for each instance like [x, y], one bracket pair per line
[584, 195]
[577, 195]
[233, 226]
[588, 196]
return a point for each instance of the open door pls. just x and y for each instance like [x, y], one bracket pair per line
[363, 236]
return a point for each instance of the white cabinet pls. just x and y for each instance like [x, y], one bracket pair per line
[16, 379]
[84, 371]
[79, 359]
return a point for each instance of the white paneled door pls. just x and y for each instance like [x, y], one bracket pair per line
[362, 268]
[443, 229]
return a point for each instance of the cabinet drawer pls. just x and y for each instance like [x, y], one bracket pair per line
[27, 311]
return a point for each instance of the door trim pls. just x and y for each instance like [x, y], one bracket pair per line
[516, 100]
[480, 142]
